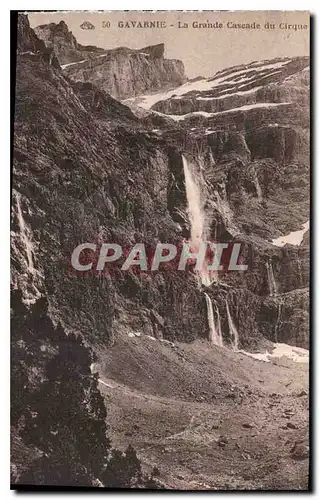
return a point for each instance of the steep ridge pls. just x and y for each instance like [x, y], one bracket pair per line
[121, 72]
[61, 40]
[29, 43]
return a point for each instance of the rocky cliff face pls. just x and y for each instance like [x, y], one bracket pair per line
[88, 168]
[61, 40]
[121, 72]
[247, 133]
[113, 177]
[29, 43]
[106, 175]
[276, 81]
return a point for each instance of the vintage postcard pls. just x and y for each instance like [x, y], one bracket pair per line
[160, 250]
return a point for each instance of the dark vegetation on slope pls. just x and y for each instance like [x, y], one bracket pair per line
[57, 411]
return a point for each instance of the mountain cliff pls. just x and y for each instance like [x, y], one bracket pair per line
[88, 168]
[121, 72]
[126, 184]
[246, 130]
[61, 40]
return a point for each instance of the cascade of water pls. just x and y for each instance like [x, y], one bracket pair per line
[211, 159]
[271, 279]
[258, 187]
[232, 330]
[197, 220]
[27, 242]
[198, 232]
[274, 285]
[212, 328]
[195, 211]
[220, 205]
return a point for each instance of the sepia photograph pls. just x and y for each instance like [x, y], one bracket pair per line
[160, 258]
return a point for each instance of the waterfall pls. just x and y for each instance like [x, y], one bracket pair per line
[211, 159]
[27, 243]
[219, 330]
[197, 220]
[198, 232]
[195, 211]
[215, 333]
[221, 206]
[232, 330]
[258, 187]
[271, 279]
[212, 329]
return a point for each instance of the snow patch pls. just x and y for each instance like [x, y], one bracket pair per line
[240, 92]
[134, 334]
[64, 66]
[294, 238]
[280, 351]
[240, 108]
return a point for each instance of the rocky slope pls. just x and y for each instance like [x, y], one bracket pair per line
[121, 72]
[88, 168]
[208, 419]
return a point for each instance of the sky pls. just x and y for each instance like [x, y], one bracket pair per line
[204, 51]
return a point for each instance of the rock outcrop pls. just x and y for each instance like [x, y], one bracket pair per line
[121, 72]
[276, 81]
[61, 40]
[29, 43]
